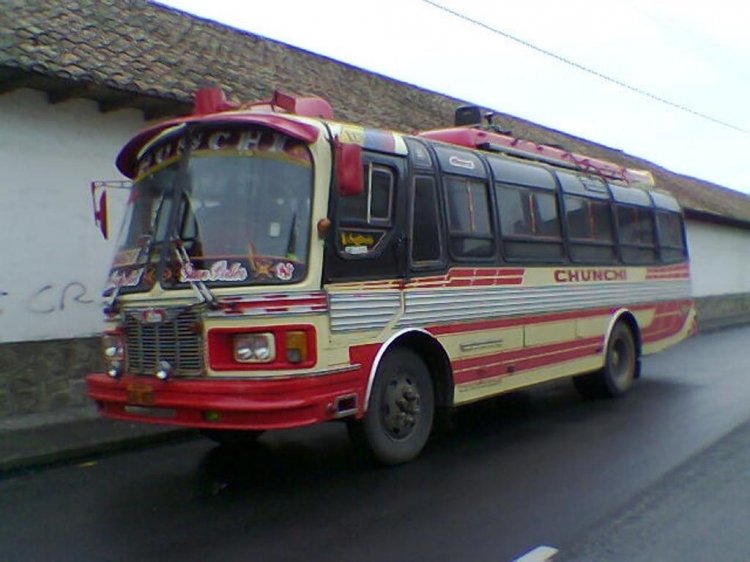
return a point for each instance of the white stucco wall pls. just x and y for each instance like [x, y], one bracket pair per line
[719, 259]
[54, 260]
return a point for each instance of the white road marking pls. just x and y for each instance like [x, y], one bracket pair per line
[539, 554]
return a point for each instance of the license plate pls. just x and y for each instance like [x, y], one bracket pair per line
[160, 413]
[141, 394]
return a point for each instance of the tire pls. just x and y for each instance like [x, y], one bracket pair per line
[620, 367]
[401, 410]
[232, 437]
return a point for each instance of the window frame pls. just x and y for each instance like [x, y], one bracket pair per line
[603, 197]
[665, 248]
[442, 231]
[640, 246]
[452, 235]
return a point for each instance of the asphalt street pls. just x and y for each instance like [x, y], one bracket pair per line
[538, 468]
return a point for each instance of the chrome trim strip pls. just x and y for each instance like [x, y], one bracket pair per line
[249, 378]
[437, 306]
[374, 309]
[371, 310]
[480, 345]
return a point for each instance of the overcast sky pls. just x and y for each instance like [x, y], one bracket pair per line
[694, 54]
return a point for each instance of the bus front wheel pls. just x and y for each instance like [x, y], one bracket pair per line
[401, 410]
[620, 366]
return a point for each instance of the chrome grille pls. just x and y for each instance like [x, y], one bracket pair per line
[177, 340]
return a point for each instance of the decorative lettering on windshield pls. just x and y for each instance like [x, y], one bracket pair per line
[240, 141]
[219, 271]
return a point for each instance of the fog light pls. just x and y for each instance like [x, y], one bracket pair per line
[211, 416]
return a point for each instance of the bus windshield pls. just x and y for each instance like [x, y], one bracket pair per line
[241, 219]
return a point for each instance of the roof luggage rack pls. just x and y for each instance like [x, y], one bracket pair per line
[471, 133]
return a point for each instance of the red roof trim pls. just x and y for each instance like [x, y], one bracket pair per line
[302, 131]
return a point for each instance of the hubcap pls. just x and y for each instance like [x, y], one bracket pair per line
[400, 410]
[620, 361]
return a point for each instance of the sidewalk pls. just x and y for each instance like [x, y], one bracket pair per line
[37, 440]
[700, 511]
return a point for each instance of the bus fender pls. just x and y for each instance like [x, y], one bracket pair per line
[386, 346]
[627, 316]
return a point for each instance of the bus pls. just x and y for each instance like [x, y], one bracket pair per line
[277, 268]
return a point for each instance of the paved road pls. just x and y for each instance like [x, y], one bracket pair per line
[540, 468]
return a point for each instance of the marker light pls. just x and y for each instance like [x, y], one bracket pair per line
[296, 346]
[254, 348]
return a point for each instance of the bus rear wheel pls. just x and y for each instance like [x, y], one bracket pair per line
[619, 371]
[401, 410]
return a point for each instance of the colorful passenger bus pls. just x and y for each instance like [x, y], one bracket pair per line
[277, 269]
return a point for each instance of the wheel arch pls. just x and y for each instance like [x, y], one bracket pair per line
[431, 351]
[627, 317]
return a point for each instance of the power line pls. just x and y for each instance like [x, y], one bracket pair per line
[586, 69]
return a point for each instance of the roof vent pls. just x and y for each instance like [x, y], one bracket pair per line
[299, 105]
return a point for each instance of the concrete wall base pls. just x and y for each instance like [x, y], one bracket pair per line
[725, 311]
[45, 376]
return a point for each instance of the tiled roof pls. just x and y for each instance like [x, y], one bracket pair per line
[137, 54]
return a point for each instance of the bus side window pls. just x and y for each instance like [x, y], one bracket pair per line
[375, 204]
[636, 234]
[469, 219]
[426, 248]
[529, 223]
[671, 238]
[588, 217]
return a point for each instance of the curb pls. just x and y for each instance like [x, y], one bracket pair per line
[14, 466]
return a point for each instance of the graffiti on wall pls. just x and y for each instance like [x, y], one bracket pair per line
[50, 298]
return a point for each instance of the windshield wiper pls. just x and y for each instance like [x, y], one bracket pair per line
[291, 245]
[182, 184]
[202, 291]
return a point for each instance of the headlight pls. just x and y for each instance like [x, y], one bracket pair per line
[254, 348]
[113, 347]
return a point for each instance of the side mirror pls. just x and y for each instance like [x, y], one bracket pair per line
[348, 165]
[99, 201]
[99, 188]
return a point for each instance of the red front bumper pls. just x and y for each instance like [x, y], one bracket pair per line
[229, 404]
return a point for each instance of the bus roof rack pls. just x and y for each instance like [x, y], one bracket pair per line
[473, 137]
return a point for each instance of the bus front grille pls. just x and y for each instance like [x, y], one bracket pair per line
[177, 340]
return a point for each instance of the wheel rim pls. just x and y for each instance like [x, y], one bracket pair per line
[400, 410]
[621, 361]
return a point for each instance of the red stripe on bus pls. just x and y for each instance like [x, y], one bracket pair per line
[520, 320]
[524, 353]
[279, 304]
[536, 360]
